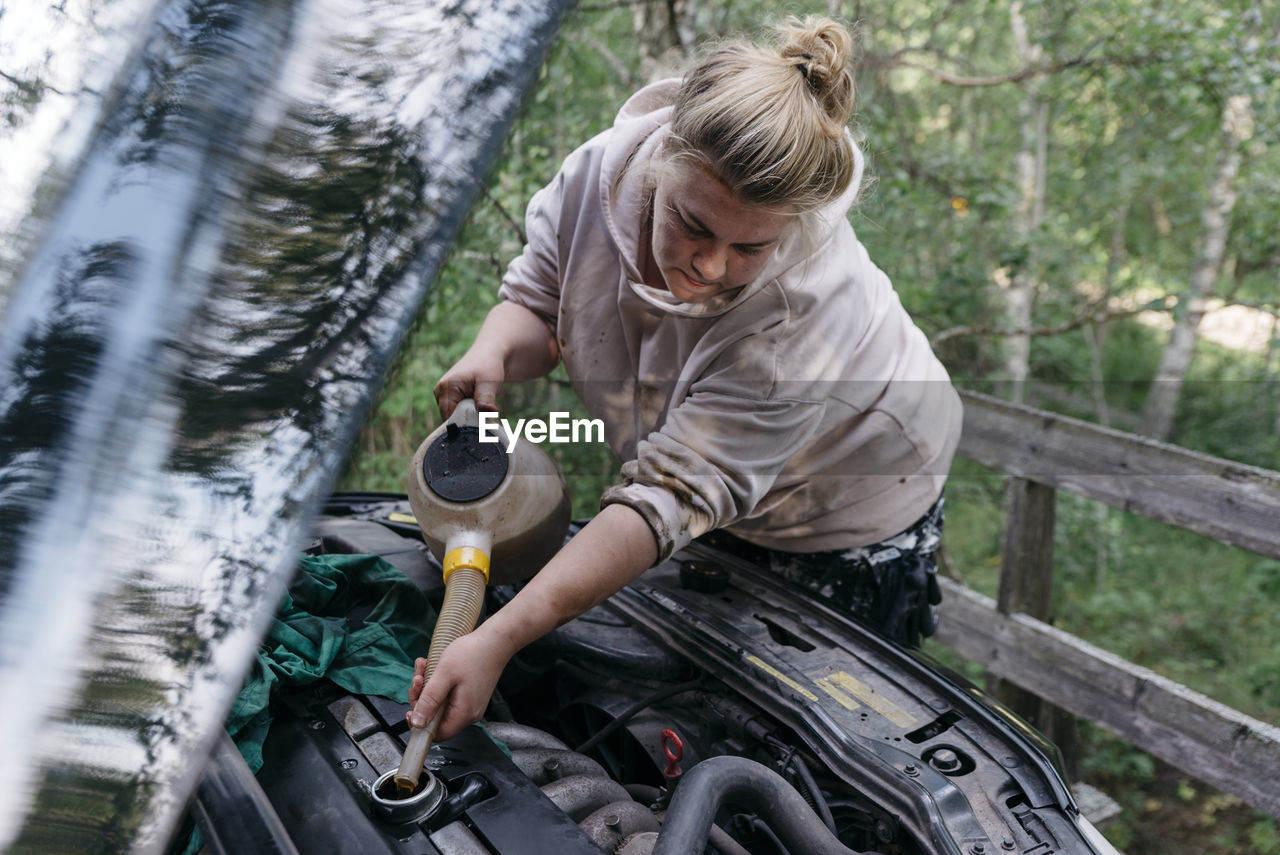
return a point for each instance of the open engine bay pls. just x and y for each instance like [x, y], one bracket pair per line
[707, 707]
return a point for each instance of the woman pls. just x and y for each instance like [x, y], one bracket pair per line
[695, 269]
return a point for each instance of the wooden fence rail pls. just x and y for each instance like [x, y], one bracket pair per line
[1229, 502]
[1209, 741]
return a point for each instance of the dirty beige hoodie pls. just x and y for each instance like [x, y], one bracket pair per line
[802, 412]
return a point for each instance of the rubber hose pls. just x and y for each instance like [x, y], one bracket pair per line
[745, 783]
[646, 794]
[807, 786]
[627, 714]
[723, 843]
[813, 794]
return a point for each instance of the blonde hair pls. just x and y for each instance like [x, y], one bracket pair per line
[770, 121]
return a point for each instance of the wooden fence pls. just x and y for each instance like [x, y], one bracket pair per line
[1223, 500]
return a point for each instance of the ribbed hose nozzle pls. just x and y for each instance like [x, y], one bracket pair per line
[463, 597]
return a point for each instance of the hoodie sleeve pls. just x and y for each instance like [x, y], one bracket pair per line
[712, 462]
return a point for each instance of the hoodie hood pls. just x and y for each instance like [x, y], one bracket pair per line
[640, 131]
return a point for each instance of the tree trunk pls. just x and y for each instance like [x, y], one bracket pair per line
[1096, 335]
[665, 36]
[1019, 296]
[1273, 344]
[1215, 222]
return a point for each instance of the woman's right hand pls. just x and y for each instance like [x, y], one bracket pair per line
[463, 682]
[477, 375]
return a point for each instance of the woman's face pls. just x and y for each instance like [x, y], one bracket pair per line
[705, 239]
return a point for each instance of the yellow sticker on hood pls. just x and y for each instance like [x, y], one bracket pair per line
[780, 677]
[844, 687]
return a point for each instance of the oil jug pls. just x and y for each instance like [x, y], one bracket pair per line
[489, 516]
[466, 493]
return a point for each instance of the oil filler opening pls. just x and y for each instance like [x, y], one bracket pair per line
[391, 805]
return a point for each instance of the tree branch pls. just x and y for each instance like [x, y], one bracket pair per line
[489, 258]
[1162, 304]
[605, 7]
[619, 67]
[34, 88]
[1265, 308]
[926, 48]
[506, 215]
[24, 85]
[896, 61]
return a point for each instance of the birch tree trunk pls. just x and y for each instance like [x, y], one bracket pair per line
[1019, 290]
[1272, 384]
[1215, 222]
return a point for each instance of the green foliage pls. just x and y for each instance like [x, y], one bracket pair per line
[1198, 612]
[1164, 813]
[1135, 93]
[1264, 837]
[1111, 756]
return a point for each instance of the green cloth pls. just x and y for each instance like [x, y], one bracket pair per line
[311, 638]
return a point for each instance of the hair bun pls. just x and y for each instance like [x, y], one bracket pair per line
[769, 119]
[821, 49]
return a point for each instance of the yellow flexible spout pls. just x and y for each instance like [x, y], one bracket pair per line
[466, 572]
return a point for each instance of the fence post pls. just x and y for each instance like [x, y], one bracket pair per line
[1026, 585]
[1026, 566]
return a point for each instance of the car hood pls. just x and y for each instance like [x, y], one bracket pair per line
[214, 286]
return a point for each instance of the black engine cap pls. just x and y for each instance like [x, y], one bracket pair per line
[706, 577]
[458, 467]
